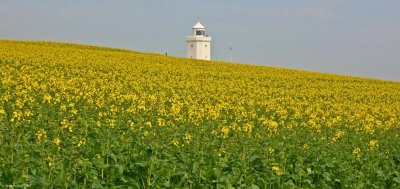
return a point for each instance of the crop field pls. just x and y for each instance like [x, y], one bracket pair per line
[77, 116]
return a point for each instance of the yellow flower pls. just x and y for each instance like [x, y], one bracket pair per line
[131, 124]
[339, 134]
[357, 153]
[17, 115]
[271, 150]
[175, 142]
[50, 161]
[225, 131]
[2, 112]
[277, 170]
[271, 125]
[63, 107]
[47, 98]
[248, 128]
[176, 108]
[145, 95]
[57, 141]
[27, 113]
[74, 111]
[373, 144]
[41, 134]
[81, 142]
[67, 125]
[187, 137]
[160, 122]
[148, 124]
[369, 128]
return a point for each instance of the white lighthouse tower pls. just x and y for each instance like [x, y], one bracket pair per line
[199, 44]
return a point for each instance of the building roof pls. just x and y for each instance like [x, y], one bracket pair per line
[198, 26]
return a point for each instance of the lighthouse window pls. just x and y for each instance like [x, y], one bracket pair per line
[206, 45]
[200, 32]
[191, 46]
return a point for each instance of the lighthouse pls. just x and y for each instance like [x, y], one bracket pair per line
[199, 44]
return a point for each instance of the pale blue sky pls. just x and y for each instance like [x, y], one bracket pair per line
[353, 37]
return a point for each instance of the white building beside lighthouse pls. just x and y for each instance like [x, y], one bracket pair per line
[199, 44]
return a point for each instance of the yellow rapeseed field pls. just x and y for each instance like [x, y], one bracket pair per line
[77, 116]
